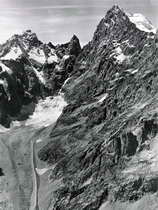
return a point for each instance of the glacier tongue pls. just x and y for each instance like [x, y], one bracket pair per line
[141, 22]
[47, 112]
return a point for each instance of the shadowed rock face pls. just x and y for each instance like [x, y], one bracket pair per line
[1, 172]
[104, 144]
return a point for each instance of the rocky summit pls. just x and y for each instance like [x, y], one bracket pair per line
[90, 138]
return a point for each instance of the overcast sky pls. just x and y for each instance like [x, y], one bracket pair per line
[58, 20]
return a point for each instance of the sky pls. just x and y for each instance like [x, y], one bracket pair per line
[58, 20]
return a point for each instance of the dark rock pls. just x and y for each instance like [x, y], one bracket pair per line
[1, 172]
[74, 47]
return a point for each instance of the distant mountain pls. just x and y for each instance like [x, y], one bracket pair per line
[30, 70]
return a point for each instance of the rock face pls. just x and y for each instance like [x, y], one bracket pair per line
[30, 70]
[104, 145]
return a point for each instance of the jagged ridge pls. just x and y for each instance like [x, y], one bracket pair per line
[31, 70]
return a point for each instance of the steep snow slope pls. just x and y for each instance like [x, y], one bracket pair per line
[14, 53]
[37, 55]
[142, 22]
[47, 112]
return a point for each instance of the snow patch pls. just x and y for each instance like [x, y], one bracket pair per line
[136, 131]
[87, 182]
[13, 54]
[37, 55]
[132, 71]
[141, 22]
[52, 57]
[40, 76]
[5, 68]
[16, 123]
[25, 45]
[3, 129]
[119, 55]
[66, 81]
[146, 161]
[41, 171]
[104, 205]
[103, 98]
[38, 140]
[2, 82]
[65, 57]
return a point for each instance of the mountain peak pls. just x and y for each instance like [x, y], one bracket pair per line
[74, 46]
[118, 24]
[114, 20]
[27, 37]
[74, 37]
[115, 9]
[14, 46]
[28, 34]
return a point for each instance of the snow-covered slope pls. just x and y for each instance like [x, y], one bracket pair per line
[47, 111]
[14, 53]
[27, 44]
[52, 57]
[141, 22]
[37, 55]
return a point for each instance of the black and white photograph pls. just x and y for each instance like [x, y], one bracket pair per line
[78, 105]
